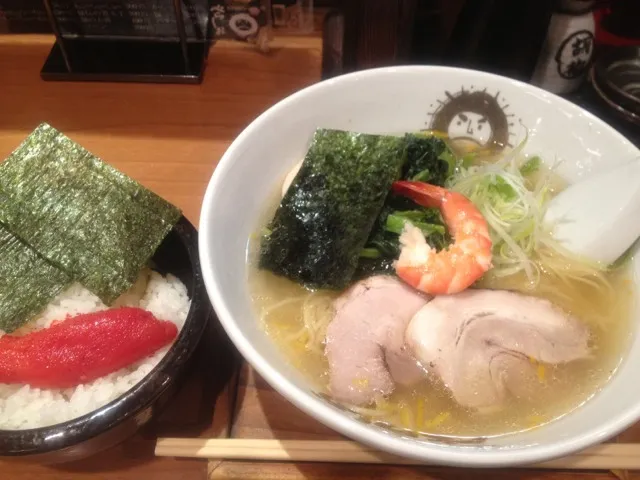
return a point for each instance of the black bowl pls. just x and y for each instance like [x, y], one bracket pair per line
[118, 420]
[614, 107]
[617, 73]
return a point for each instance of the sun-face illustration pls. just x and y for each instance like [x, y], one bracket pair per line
[474, 116]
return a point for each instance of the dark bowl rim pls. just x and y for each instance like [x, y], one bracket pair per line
[143, 393]
[618, 109]
[601, 71]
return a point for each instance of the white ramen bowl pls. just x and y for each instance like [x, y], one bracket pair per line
[397, 100]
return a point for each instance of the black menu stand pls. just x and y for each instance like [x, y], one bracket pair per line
[113, 58]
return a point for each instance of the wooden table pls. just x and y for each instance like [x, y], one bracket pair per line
[170, 138]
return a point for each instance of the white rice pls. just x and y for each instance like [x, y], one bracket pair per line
[24, 407]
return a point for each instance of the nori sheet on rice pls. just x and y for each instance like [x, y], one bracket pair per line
[80, 214]
[27, 282]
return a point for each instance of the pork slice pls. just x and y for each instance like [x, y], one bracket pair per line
[481, 343]
[365, 340]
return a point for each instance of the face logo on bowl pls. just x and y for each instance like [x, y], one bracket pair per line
[472, 126]
[574, 54]
[475, 116]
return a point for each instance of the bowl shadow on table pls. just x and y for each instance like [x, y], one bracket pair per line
[263, 413]
[199, 408]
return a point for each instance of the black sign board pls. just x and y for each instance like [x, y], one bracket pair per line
[145, 40]
[118, 18]
[23, 16]
[117, 40]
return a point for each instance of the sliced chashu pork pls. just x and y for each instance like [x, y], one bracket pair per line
[365, 341]
[481, 342]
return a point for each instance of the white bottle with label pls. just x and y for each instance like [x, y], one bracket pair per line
[568, 49]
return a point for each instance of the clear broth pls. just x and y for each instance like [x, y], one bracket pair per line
[429, 408]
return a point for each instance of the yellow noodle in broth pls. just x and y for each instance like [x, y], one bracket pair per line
[296, 320]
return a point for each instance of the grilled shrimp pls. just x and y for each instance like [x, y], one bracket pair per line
[453, 269]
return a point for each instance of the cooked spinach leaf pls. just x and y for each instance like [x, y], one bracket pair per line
[396, 221]
[429, 160]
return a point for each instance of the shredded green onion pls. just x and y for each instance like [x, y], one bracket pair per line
[514, 206]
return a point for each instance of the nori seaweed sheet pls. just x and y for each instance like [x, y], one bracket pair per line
[324, 219]
[27, 282]
[81, 214]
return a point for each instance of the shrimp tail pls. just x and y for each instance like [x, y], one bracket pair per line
[423, 194]
[457, 267]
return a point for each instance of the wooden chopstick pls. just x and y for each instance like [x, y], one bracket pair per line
[608, 456]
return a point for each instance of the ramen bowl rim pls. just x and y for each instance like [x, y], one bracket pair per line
[321, 410]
